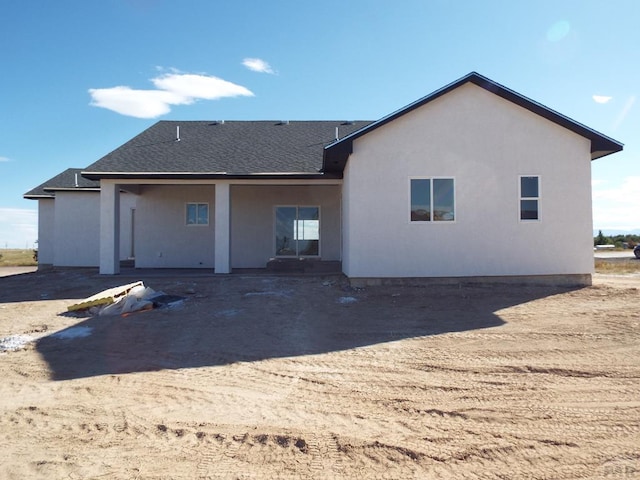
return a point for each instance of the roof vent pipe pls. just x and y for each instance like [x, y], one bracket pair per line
[337, 136]
[76, 180]
[177, 133]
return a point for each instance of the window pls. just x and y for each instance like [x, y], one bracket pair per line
[432, 200]
[297, 231]
[529, 198]
[197, 214]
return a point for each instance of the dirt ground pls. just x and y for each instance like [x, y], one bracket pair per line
[304, 377]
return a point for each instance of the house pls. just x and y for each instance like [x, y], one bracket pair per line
[69, 221]
[473, 180]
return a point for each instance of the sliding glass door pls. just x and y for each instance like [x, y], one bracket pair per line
[297, 231]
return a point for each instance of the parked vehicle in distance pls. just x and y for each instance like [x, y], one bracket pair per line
[636, 251]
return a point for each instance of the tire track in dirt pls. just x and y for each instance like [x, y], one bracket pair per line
[326, 459]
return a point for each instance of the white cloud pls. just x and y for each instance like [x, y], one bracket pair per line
[257, 65]
[18, 227]
[601, 98]
[171, 89]
[615, 206]
[4, 159]
[199, 86]
[134, 103]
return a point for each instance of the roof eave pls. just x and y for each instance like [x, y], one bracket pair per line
[72, 189]
[335, 160]
[207, 176]
[596, 154]
[37, 196]
[601, 146]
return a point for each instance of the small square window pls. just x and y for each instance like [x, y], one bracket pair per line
[197, 214]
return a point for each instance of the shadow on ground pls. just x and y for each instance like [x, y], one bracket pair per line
[238, 319]
[52, 284]
[77, 282]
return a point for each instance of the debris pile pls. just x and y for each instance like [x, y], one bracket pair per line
[126, 299]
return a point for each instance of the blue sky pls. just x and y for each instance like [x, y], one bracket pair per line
[79, 78]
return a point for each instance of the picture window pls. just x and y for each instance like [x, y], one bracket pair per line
[432, 200]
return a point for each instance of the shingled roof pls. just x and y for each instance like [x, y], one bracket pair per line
[238, 149]
[63, 181]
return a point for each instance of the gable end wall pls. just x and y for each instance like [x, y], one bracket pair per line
[485, 143]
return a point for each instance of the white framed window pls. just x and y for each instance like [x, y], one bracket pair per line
[297, 231]
[197, 214]
[432, 199]
[529, 188]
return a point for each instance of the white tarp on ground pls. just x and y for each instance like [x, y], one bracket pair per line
[134, 297]
[137, 298]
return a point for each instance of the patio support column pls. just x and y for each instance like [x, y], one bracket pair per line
[109, 228]
[222, 257]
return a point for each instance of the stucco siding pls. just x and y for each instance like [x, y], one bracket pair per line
[46, 222]
[347, 228]
[127, 205]
[485, 144]
[76, 230]
[162, 237]
[252, 220]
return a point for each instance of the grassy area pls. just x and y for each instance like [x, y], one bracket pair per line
[617, 266]
[16, 258]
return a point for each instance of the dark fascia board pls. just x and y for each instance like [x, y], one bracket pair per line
[38, 197]
[73, 189]
[207, 176]
[50, 192]
[336, 154]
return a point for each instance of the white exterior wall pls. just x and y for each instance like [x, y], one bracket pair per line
[76, 230]
[222, 227]
[347, 207]
[127, 204]
[485, 143]
[162, 238]
[109, 253]
[253, 223]
[46, 222]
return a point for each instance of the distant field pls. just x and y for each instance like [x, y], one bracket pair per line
[16, 258]
[617, 266]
